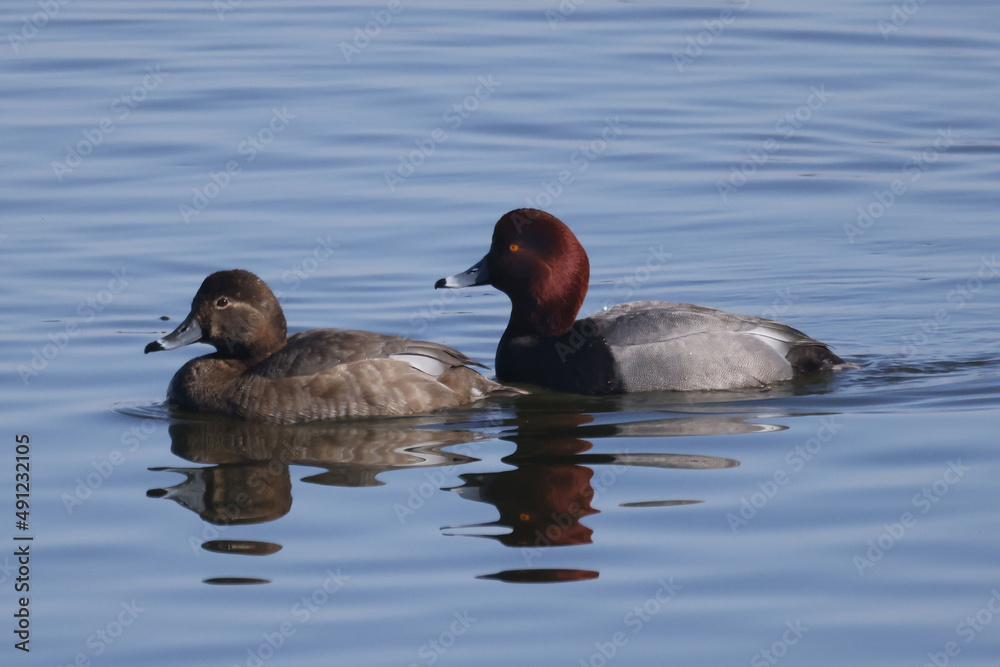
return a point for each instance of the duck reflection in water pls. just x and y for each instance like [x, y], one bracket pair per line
[232, 493]
[250, 481]
[543, 502]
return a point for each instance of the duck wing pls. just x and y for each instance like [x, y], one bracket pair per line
[315, 351]
[660, 345]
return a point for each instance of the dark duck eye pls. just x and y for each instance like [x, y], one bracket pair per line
[222, 302]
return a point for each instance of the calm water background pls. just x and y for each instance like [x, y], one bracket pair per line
[833, 165]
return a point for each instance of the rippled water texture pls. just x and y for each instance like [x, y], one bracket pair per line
[831, 165]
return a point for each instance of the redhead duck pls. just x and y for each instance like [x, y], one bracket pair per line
[259, 373]
[645, 345]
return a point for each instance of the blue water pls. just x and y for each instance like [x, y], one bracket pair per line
[833, 166]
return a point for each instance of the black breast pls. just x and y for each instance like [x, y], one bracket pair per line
[577, 362]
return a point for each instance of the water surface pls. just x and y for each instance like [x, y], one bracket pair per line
[831, 166]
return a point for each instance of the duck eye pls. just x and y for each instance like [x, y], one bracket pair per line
[514, 247]
[222, 302]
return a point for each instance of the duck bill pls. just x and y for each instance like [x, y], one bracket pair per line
[476, 275]
[188, 332]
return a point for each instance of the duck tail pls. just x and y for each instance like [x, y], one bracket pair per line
[470, 384]
[812, 356]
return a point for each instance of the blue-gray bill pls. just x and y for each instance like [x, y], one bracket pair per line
[189, 331]
[479, 274]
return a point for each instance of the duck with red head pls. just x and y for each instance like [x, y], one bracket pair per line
[259, 373]
[645, 345]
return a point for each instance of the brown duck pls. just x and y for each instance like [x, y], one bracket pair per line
[259, 373]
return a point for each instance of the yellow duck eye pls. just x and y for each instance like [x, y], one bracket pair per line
[514, 247]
